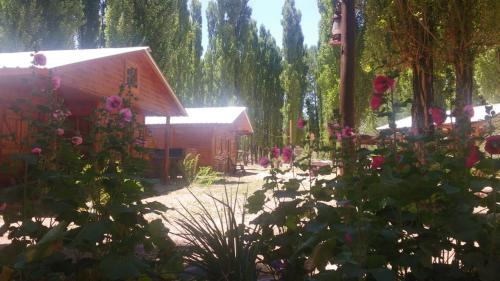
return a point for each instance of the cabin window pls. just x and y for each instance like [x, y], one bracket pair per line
[77, 126]
[132, 77]
[175, 152]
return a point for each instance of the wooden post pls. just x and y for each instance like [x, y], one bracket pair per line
[166, 160]
[347, 63]
[347, 68]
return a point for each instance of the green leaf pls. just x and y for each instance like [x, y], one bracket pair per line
[256, 201]
[116, 267]
[93, 232]
[383, 274]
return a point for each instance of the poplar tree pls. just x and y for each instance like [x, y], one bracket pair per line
[294, 73]
[39, 24]
[89, 32]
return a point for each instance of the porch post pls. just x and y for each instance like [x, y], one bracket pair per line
[166, 160]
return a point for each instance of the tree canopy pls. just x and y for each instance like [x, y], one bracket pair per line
[443, 53]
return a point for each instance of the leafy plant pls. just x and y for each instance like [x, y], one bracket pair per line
[190, 167]
[412, 207]
[218, 244]
[207, 176]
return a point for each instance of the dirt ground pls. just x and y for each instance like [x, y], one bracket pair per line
[239, 186]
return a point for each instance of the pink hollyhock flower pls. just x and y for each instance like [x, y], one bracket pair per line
[376, 102]
[3, 206]
[56, 83]
[377, 161]
[287, 154]
[139, 142]
[383, 83]
[276, 152]
[332, 128]
[339, 137]
[264, 162]
[126, 113]
[60, 131]
[113, 103]
[492, 145]
[473, 157]
[39, 59]
[438, 115]
[469, 111]
[348, 238]
[36, 150]
[77, 140]
[61, 115]
[347, 132]
[301, 123]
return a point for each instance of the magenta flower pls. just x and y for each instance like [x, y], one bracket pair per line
[39, 59]
[469, 111]
[339, 137]
[264, 162]
[77, 140]
[113, 103]
[61, 115]
[56, 83]
[473, 157]
[438, 115]
[287, 154]
[376, 102]
[348, 238]
[347, 132]
[60, 132]
[36, 150]
[492, 145]
[126, 113]
[377, 161]
[276, 152]
[139, 142]
[301, 123]
[383, 83]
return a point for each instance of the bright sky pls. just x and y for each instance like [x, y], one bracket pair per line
[268, 13]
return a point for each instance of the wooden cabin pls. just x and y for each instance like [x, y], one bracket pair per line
[212, 132]
[87, 76]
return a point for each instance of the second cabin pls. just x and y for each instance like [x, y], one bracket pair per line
[213, 132]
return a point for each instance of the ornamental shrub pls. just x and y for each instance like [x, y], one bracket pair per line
[408, 207]
[76, 213]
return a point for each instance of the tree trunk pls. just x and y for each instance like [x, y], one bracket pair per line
[423, 95]
[464, 75]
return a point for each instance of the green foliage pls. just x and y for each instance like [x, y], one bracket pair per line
[218, 243]
[189, 167]
[169, 29]
[422, 214]
[207, 176]
[90, 32]
[78, 213]
[293, 78]
[33, 24]
[486, 75]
